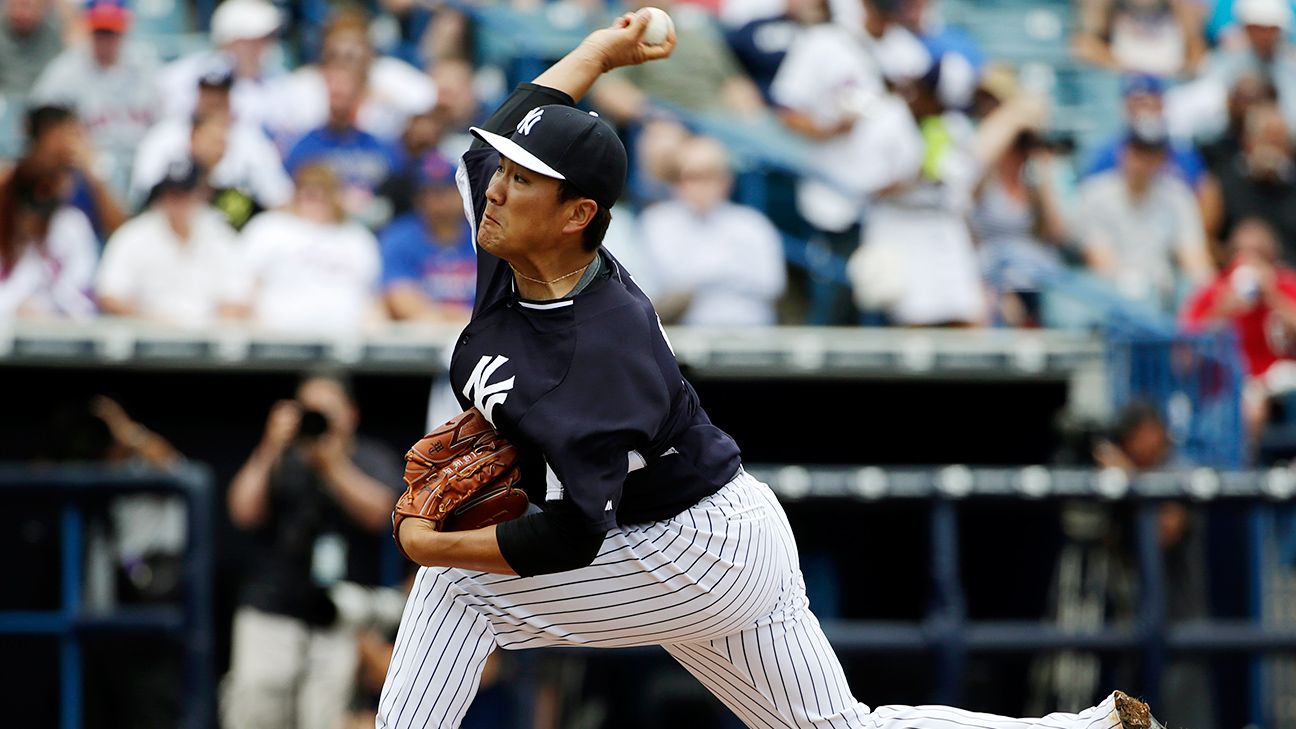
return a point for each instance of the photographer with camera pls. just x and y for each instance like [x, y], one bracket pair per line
[313, 493]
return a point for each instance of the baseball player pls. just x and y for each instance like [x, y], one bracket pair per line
[651, 533]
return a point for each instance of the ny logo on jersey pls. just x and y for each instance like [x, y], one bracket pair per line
[529, 121]
[480, 390]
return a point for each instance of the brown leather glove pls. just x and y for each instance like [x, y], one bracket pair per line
[460, 476]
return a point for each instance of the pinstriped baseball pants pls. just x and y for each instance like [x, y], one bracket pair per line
[717, 586]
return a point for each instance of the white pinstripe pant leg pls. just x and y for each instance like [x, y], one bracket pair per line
[441, 648]
[718, 586]
[710, 571]
[782, 673]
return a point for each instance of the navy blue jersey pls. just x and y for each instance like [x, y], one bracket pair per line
[587, 387]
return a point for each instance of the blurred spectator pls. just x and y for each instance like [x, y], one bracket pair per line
[425, 134]
[1145, 104]
[1255, 294]
[761, 44]
[917, 162]
[429, 262]
[825, 84]
[1249, 90]
[457, 104]
[47, 249]
[29, 39]
[1158, 37]
[1222, 25]
[313, 272]
[1019, 223]
[831, 79]
[58, 147]
[243, 32]
[393, 91]
[716, 263]
[701, 74]
[1260, 180]
[1140, 228]
[176, 262]
[111, 86]
[236, 161]
[311, 492]
[1265, 52]
[899, 53]
[360, 160]
[923, 19]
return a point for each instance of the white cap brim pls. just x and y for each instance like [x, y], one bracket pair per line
[514, 151]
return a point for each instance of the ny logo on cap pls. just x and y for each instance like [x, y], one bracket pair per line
[529, 121]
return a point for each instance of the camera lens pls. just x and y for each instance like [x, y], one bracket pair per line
[313, 424]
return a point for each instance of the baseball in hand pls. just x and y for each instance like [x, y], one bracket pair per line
[659, 26]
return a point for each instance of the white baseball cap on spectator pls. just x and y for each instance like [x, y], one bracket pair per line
[236, 20]
[1268, 13]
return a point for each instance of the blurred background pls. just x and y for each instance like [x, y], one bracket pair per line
[996, 294]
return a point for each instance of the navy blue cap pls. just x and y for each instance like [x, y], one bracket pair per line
[568, 144]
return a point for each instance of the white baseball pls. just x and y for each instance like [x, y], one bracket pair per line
[659, 26]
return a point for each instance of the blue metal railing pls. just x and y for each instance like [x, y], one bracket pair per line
[73, 488]
[946, 632]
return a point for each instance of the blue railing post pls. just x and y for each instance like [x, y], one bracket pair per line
[69, 648]
[948, 611]
[199, 597]
[1152, 599]
[1258, 522]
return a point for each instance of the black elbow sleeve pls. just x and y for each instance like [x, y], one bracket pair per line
[547, 542]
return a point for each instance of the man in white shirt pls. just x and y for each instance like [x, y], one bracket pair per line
[110, 85]
[315, 273]
[248, 163]
[717, 263]
[831, 81]
[1140, 228]
[176, 263]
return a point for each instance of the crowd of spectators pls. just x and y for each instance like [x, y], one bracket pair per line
[299, 176]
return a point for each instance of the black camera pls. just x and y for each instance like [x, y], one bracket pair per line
[313, 424]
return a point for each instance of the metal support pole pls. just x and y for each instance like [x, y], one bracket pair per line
[69, 646]
[948, 609]
[199, 598]
[1259, 523]
[1151, 611]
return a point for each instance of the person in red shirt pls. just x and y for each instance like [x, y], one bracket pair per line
[1255, 294]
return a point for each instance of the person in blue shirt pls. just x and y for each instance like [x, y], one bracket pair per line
[1145, 97]
[429, 267]
[360, 160]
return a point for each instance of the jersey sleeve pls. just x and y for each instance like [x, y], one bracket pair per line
[611, 403]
